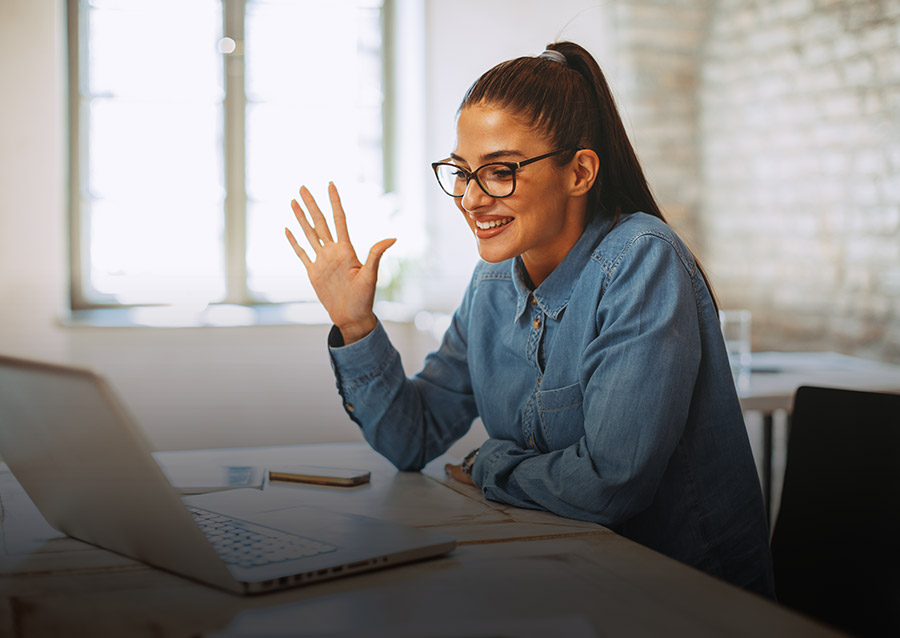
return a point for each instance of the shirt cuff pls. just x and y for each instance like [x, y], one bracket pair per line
[361, 358]
[488, 454]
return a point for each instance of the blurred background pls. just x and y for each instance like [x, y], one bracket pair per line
[149, 152]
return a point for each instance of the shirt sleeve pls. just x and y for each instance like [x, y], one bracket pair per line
[410, 421]
[639, 374]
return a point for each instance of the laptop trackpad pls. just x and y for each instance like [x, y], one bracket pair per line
[281, 510]
[249, 503]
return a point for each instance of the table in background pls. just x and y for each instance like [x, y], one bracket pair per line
[774, 377]
[515, 571]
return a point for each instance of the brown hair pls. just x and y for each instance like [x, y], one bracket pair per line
[571, 104]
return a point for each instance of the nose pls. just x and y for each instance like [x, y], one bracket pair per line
[474, 197]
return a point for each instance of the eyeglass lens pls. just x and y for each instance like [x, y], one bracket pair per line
[497, 180]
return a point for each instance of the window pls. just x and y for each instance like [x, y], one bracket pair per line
[193, 124]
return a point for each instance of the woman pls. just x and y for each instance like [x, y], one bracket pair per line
[587, 341]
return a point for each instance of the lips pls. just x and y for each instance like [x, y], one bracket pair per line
[488, 228]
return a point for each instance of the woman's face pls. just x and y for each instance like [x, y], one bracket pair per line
[541, 220]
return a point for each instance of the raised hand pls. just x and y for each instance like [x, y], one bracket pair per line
[345, 286]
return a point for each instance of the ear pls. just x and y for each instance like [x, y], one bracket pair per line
[585, 171]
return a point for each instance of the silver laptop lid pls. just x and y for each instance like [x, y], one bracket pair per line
[74, 450]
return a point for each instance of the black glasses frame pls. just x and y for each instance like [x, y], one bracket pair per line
[512, 166]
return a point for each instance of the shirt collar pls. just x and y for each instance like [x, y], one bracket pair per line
[553, 294]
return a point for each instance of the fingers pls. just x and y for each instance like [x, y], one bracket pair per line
[337, 210]
[319, 223]
[455, 472]
[376, 253]
[297, 249]
[308, 230]
[315, 227]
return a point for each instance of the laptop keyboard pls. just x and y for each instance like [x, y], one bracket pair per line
[247, 545]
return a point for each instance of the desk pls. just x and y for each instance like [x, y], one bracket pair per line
[774, 377]
[527, 572]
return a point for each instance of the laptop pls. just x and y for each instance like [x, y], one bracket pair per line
[89, 471]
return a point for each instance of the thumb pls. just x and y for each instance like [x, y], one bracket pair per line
[376, 252]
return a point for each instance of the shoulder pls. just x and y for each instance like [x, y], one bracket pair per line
[641, 236]
[486, 276]
[486, 271]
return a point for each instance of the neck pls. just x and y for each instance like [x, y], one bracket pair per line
[539, 264]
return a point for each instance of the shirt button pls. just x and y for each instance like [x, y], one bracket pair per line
[537, 324]
[540, 380]
[534, 301]
[349, 407]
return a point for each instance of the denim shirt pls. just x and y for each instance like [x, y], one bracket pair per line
[606, 393]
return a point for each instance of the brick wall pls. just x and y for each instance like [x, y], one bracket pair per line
[657, 83]
[770, 132]
[799, 125]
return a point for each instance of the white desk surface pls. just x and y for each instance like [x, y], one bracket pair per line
[515, 572]
[775, 376]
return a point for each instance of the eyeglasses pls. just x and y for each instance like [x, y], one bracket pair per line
[497, 179]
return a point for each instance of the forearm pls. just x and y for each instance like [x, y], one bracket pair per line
[409, 421]
[564, 482]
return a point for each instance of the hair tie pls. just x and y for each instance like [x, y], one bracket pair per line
[553, 56]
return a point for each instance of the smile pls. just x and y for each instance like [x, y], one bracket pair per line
[494, 223]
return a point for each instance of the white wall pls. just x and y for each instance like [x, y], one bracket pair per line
[464, 39]
[33, 242]
[222, 387]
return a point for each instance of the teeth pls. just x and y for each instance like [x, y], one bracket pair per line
[493, 223]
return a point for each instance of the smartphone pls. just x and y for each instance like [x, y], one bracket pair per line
[319, 475]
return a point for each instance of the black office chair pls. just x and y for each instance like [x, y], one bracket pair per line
[836, 541]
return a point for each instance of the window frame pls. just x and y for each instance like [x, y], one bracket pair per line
[237, 292]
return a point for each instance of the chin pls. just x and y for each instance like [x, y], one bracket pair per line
[494, 256]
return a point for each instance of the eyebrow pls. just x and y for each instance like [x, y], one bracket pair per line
[490, 157]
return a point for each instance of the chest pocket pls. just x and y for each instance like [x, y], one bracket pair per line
[561, 416]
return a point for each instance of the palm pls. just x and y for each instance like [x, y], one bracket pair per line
[344, 285]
